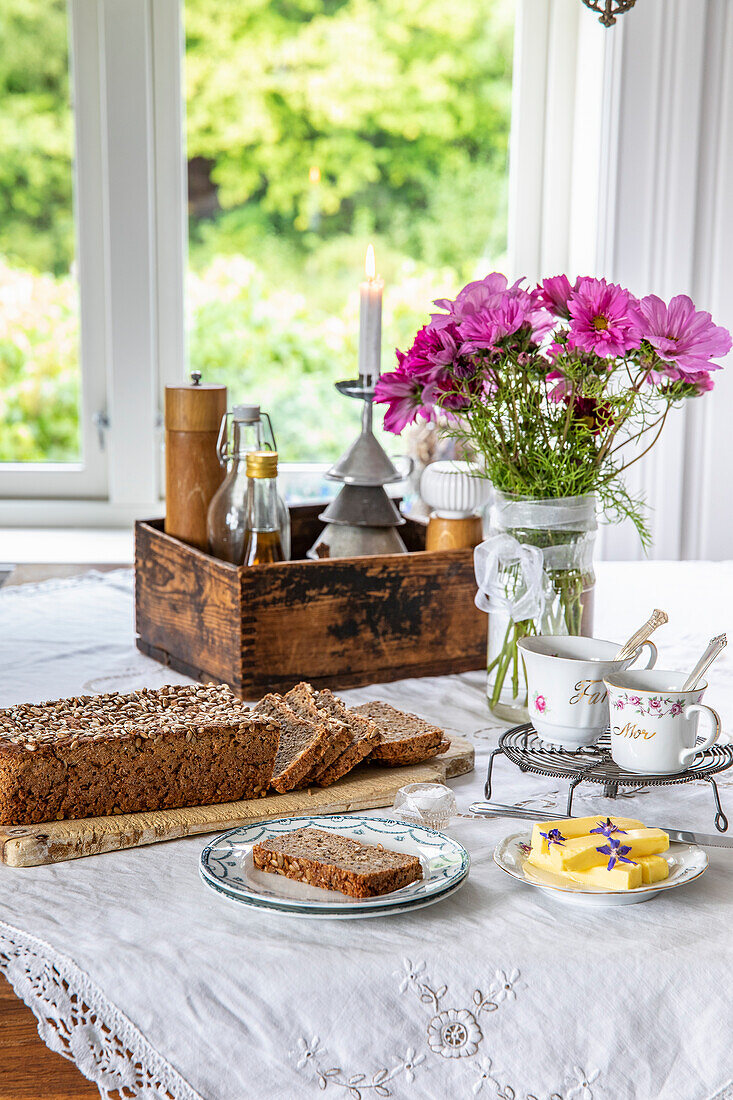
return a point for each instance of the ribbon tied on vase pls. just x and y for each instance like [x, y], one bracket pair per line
[500, 557]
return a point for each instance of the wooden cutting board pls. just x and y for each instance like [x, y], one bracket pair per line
[363, 789]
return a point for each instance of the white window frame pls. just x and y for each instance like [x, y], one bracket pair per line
[131, 250]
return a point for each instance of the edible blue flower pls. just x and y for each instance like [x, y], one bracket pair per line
[617, 853]
[553, 837]
[608, 829]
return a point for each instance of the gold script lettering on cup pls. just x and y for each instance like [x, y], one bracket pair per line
[583, 691]
[631, 730]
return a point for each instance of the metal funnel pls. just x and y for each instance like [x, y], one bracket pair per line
[362, 506]
[365, 463]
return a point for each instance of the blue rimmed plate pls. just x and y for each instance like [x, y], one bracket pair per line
[227, 866]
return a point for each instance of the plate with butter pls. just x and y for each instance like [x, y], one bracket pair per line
[599, 860]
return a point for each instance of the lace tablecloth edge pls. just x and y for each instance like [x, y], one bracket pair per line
[76, 1020]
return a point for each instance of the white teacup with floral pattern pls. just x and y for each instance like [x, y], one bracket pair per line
[567, 700]
[654, 723]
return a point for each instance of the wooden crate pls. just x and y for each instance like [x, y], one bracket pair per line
[338, 623]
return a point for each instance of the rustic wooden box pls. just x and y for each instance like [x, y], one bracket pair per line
[338, 623]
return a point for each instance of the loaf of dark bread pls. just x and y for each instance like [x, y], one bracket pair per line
[97, 755]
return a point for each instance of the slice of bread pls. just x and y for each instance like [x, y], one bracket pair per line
[336, 862]
[364, 736]
[406, 739]
[302, 743]
[301, 699]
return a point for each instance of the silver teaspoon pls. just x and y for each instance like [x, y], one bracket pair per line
[657, 618]
[714, 649]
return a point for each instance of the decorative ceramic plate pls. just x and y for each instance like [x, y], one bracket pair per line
[342, 914]
[227, 866]
[686, 863]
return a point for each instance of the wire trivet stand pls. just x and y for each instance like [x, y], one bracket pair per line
[594, 764]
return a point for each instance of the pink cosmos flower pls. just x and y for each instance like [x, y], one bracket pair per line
[481, 294]
[516, 309]
[562, 387]
[682, 336]
[554, 293]
[433, 349]
[407, 398]
[702, 381]
[604, 318]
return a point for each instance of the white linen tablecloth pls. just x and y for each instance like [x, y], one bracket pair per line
[150, 981]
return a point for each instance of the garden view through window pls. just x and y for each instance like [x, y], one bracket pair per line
[315, 127]
[40, 377]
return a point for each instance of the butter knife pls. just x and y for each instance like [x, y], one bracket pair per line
[684, 836]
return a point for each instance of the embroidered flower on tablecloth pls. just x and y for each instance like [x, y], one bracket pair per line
[580, 1082]
[502, 988]
[308, 1051]
[454, 1033]
[484, 1066]
[412, 972]
[411, 1059]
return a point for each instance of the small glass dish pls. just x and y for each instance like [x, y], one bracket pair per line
[431, 804]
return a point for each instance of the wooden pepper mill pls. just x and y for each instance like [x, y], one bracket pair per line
[193, 473]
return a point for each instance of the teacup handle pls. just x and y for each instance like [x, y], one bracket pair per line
[653, 654]
[687, 755]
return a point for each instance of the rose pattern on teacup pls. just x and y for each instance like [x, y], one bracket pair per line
[540, 703]
[654, 706]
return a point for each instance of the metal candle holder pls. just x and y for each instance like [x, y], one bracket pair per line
[362, 520]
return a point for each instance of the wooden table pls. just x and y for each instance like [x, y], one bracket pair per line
[28, 1069]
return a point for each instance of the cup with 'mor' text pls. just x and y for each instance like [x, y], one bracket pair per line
[567, 699]
[654, 724]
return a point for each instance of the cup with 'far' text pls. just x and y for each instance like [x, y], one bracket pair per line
[567, 699]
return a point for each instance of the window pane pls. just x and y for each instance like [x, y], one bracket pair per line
[315, 127]
[39, 311]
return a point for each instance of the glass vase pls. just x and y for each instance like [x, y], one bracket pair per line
[565, 533]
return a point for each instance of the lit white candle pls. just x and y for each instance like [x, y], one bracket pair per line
[370, 322]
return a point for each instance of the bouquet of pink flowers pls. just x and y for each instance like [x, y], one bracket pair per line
[557, 389]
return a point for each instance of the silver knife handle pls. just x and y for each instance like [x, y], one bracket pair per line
[496, 809]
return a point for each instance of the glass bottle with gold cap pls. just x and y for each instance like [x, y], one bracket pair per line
[245, 428]
[264, 535]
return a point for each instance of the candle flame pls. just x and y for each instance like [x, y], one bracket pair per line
[370, 264]
[314, 174]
